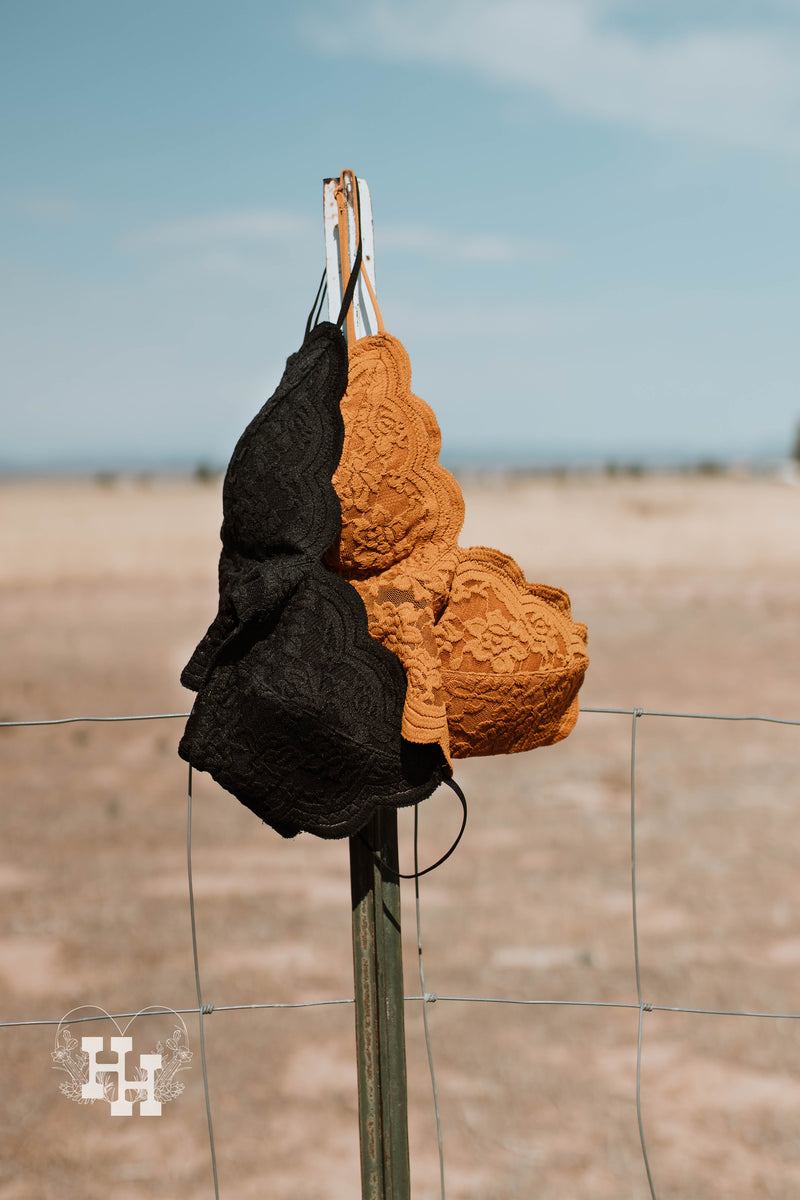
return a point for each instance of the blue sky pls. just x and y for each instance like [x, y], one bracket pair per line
[585, 216]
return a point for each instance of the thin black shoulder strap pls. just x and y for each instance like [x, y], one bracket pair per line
[319, 300]
[347, 298]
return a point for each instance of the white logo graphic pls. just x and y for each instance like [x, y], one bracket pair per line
[153, 1080]
[95, 1088]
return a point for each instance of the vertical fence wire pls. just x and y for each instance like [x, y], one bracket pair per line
[203, 1009]
[637, 713]
[426, 999]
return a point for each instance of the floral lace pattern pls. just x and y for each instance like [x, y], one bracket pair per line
[512, 658]
[395, 496]
[493, 663]
[401, 516]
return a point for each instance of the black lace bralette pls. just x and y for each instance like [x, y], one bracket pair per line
[298, 710]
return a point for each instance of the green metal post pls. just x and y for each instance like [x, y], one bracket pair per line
[380, 1028]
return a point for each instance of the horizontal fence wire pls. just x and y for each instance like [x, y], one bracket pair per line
[74, 720]
[654, 712]
[629, 712]
[207, 1009]
[426, 997]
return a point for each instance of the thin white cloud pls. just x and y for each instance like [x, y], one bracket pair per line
[256, 225]
[226, 243]
[246, 245]
[736, 86]
[488, 250]
[41, 206]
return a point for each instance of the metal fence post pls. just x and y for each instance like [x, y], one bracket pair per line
[380, 1027]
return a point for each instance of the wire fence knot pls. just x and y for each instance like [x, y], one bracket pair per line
[646, 1007]
[207, 1009]
[430, 997]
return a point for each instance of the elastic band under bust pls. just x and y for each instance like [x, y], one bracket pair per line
[451, 783]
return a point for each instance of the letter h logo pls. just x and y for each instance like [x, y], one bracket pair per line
[148, 1063]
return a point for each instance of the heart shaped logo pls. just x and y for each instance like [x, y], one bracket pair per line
[154, 1078]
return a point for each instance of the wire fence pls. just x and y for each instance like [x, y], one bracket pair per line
[641, 1004]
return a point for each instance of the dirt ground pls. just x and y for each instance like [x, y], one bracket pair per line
[690, 587]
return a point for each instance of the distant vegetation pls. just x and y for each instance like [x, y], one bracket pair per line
[205, 473]
[710, 466]
[614, 469]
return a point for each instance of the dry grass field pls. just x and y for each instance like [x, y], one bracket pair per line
[690, 587]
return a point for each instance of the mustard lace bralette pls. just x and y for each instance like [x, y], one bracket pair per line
[493, 663]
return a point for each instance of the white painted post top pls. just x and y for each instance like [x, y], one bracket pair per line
[365, 318]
